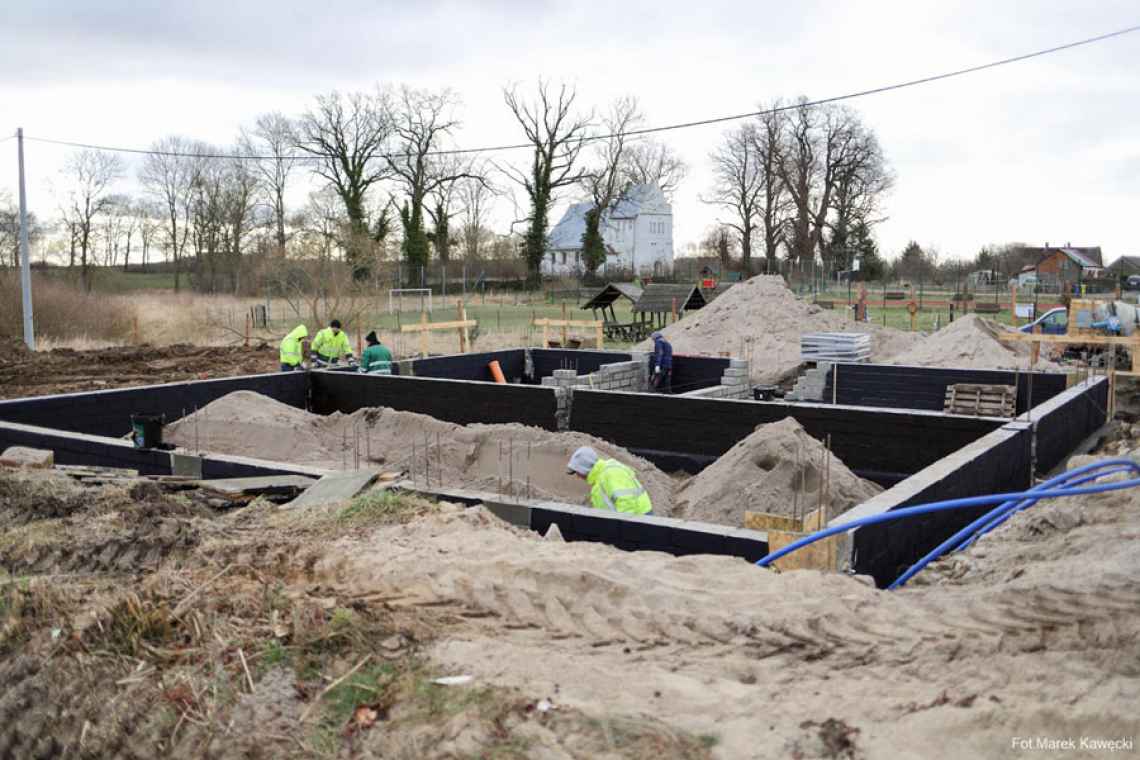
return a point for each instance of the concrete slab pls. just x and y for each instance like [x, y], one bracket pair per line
[257, 486]
[334, 488]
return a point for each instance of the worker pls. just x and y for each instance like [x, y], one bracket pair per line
[292, 350]
[376, 359]
[662, 363]
[613, 485]
[330, 345]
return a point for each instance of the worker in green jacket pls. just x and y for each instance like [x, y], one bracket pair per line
[613, 485]
[330, 345]
[376, 359]
[292, 350]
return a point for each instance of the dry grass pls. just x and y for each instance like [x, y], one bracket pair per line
[64, 312]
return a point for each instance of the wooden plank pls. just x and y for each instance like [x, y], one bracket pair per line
[545, 322]
[331, 489]
[256, 486]
[767, 521]
[428, 326]
[1101, 340]
[822, 555]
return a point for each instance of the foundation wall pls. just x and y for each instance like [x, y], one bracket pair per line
[895, 387]
[881, 445]
[468, 366]
[998, 462]
[108, 413]
[458, 401]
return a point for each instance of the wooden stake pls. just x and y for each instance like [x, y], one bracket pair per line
[674, 309]
[135, 330]
[599, 336]
[564, 325]
[247, 321]
[423, 335]
[462, 331]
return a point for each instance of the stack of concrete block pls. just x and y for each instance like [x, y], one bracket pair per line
[812, 384]
[619, 376]
[734, 383]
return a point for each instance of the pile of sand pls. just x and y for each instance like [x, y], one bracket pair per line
[762, 321]
[510, 458]
[777, 469]
[971, 341]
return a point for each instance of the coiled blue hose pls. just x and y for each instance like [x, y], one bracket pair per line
[1009, 503]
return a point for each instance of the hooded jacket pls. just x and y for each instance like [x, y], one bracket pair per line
[291, 346]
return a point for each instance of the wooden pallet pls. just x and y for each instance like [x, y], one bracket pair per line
[981, 400]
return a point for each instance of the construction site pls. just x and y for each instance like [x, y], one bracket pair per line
[864, 542]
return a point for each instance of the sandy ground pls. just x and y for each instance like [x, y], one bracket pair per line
[1033, 632]
[761, 320]
[971, 341]
[779, 469]
[764, 472]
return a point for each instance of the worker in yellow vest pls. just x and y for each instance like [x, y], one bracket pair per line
[330, 345]
[292, 349]
[613, 485]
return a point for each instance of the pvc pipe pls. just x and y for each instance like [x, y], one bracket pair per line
[1000, 514]
[497, 372]
[963, 503]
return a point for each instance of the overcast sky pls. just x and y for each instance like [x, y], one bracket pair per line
[1045, 150]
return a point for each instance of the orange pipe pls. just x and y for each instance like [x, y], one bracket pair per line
[497, 372]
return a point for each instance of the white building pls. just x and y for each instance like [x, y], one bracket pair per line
[638, 234]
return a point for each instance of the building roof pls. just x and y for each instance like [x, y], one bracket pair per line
[567, 234]
[612, 292]
[1125, 264]
[659, 298]
[1083, 257]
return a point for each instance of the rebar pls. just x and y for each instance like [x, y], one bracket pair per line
[528, 446]
[413, 461]
[427, 462]
[499, 468]
[795, 491]
[827, 481]
[511, 467]
[438, 460]
[197, 448]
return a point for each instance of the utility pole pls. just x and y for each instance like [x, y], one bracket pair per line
[25, 252]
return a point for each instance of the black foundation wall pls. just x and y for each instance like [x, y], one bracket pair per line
[901, 387]
[883, 445]
[109, 412]
[100, 451]
[457, 401]
[473, 366]
[546, 360]
[996, 463]
[1062, 422]
[692, 373]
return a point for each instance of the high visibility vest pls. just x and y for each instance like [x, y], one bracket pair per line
[615, 487]
[329, 346]
[291, 346]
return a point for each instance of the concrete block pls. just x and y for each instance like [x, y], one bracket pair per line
[738, 364]
[730, 372]
[24, 456]
[567, 374]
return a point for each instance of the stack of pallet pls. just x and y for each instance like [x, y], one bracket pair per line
[835, 347]
[981, 400]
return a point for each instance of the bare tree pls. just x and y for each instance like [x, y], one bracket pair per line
[170, 175]
[605, 180]
[476, 198]
[423, 121]
[149, 225]
[860, 186]
[10, 231]
[275, 136]
[774, 201]
[738, 185]
[119, 226]
[349, 134]
[556, 132]
[91, 174]
[651, 162]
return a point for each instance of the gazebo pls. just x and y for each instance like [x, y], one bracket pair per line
[659, 300]
[605, 299]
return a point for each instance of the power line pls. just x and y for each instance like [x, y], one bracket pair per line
[647, 130]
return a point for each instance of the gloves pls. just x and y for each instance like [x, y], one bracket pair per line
[657, 370]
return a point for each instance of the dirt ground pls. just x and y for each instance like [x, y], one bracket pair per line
[64, 370]
[133, 624]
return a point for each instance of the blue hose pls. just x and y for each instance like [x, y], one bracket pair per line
[995, 517]
[1009, 502]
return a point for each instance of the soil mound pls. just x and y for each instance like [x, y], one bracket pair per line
[778, 469]
[970, 341]
[761, 320]
[506, 458]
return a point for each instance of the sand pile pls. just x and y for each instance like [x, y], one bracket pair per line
[761, 320]
[971, 341]
[777, 469]
[506, 458]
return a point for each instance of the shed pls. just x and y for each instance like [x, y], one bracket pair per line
[659, 299]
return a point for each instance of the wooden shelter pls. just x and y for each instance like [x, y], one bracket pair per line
[660, 300]
[606, 297]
